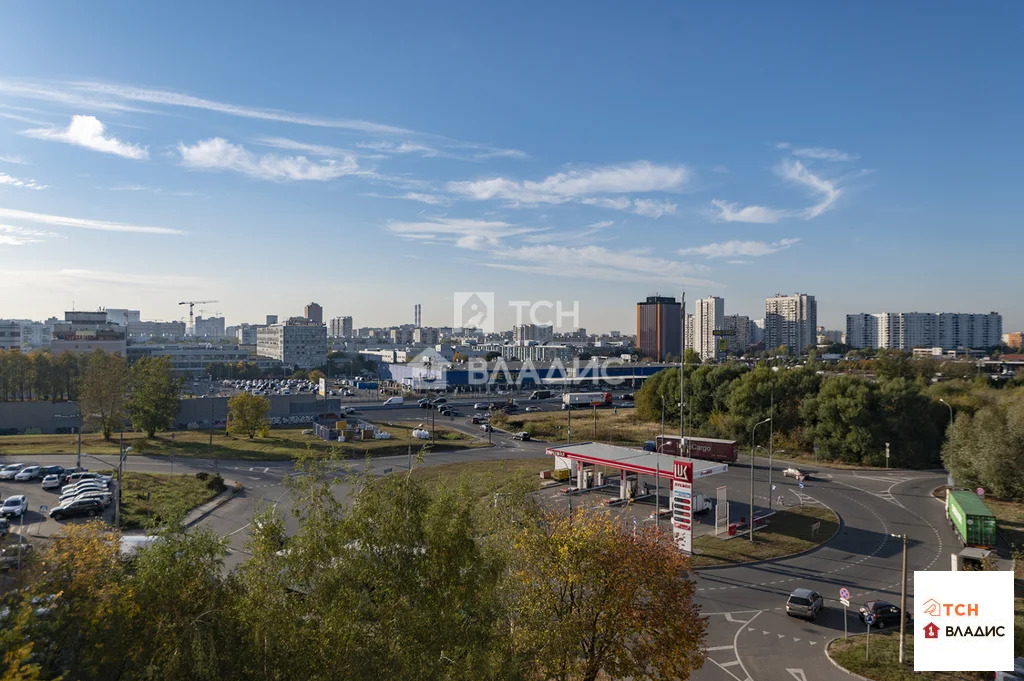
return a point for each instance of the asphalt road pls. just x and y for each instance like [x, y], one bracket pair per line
[750, 635]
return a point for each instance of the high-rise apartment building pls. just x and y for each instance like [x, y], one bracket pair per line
[791, 321]
[424, 335]
[314, 313]
[417, 315]
[688, 332]
[909, 330]
[739, 341]
[210, 328]
[708, 317]
[659, 327]
[541, 333]
[341, 327]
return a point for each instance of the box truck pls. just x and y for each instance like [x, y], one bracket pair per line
[582, 400]
[707, 448]
[971, 519]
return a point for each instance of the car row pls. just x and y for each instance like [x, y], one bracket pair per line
[808, 603]
[25, 472]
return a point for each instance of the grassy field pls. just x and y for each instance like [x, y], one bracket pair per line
[283, 443]
[483, 476]
[151, 498]
[788, 532]
[884, 656]
[622, 428]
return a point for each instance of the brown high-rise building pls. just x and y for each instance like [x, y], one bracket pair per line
[659, 330]
[314, 313]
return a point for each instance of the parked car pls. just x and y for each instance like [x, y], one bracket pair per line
[51, 482]
[82, 486]
[439, 400]
[51, 470]
[804, 603]
[27, 473]
[886, 614]
[68, 472]
[14, 506]
[422, 401]
[75, 493]
[85, 475]
[75, 508]
[531, 408]
[9, 555]
[10, 470]
[522, 436]
[103, 497]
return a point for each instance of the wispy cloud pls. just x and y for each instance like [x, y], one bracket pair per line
[82, 223]
[323, 150]
[219, 154]
[401, 148]
[469, 234]
[734, 249]
[143, 188]
[11, 235]
[16, 160]
[827, 193]
[89, 132]
[590, 186]
[818, 153]
[136, 280]
[11, 181]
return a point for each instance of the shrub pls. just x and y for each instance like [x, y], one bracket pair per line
[202, 475]
[216, 483]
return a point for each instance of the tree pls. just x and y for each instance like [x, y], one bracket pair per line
[660, 389]
[155, 392]
[102, 388]
[841, 419]
[987, 449]
[247, 414]
[910, 422]
[491, 356]
[592, 602]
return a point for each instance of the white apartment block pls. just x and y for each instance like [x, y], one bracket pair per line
[540, 333]
[791, 321]
[301, 344]
[739, 342]
[909, 330]
[424, 335]
[708, 317]
[688, 332]
[341, 327]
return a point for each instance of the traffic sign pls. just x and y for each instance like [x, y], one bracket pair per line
[773, 488]
[845, 602]
[44, 509]
[981, 492]
[801, 484]
[869, 619]
[844, 594]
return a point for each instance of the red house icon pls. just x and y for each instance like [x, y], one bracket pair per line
[931, 630]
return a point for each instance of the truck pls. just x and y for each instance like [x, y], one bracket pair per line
[583, 400]
[971, 518]
[394, 400]
[706, 448]
[540, 394]
[366, 385]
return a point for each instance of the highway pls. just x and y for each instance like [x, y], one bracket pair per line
[750, 636]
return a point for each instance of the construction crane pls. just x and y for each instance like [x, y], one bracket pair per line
[191, 306]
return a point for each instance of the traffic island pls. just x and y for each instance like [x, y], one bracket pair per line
[152, 499]
[882, 663]
[790, 531]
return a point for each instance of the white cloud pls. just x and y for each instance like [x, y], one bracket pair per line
[82, 223]
[219, 154]
[16, 160]
[12, 181]
[827, 191]
[652, 208]
[88, 132]
[19, 236]
[735, 248]
[431, 199]
[733, 212]
[818, 153]
[141, 280]
[469, 234]
[401, 148]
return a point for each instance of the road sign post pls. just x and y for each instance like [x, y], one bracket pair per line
[869, 619]
[814, 528]
[844, 598]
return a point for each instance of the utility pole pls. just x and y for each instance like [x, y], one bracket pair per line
[78, 451]
[771, 441]
[751, 520]
[568, 428]
[887, 455]
[595, 422]
[682, 374]
[903, 600]
[172, 453]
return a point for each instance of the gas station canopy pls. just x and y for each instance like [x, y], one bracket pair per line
[633, 460]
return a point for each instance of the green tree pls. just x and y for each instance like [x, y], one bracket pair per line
[155, 393]
[841, 420]
[910, 422]
[987, 449]
[247, 414]
[102, 390]
[315, 375]
[592, 602]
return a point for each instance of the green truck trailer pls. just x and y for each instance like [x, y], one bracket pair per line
[971, 518]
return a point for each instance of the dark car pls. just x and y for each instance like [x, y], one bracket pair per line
[76, 508]
[51, 470]
[886, 614]
[68, 472]
[523, 435]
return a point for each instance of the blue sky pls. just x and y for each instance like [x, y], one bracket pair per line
[370, 158]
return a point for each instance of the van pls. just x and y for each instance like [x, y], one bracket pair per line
[394, 400]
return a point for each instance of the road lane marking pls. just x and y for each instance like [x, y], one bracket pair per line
[720, 648]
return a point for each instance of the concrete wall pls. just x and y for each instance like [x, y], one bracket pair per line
[37, 417]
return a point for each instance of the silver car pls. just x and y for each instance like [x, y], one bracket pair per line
[804, 603]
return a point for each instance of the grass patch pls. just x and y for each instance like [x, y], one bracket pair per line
[150, 499]
[483, 477]
[622, 428]
[884, 663]
[282, 443]
[788, 532]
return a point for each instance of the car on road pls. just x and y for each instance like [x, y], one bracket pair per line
[9, 555]
[51, 481]
[76, 508]
[531, 409]
[14, 506]
[479, 405]
[886, 614]
[804, 603]
[522, 436]
[628, 397]
[27, 473]
[10, 470]
[486, 428]
[423, 400]
[794, 473]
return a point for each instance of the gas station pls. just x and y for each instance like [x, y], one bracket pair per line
[583, 459]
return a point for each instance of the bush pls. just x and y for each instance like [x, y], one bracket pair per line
[202, 475]
[216, 483]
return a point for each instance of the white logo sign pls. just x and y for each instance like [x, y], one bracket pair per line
[474, 310]
[963, 621]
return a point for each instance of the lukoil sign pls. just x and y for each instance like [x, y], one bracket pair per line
[963, 621]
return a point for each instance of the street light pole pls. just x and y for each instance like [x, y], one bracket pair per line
[903, 598]
[752, 431]
[950, 411]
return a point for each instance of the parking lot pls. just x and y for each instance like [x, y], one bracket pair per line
[35, 521]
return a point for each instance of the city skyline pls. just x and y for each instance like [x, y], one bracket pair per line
[617, 173]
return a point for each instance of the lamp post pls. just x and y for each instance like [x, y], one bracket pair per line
[78, 431]
[950, 411]
[752, 431]
[770, 453]
[903, 597]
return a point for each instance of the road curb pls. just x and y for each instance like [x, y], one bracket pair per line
[209, 507]
[839, 527]
[841, 667]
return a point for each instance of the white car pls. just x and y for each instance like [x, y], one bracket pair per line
[794, 473]
[51, 481]
[27, 473]
[14, 506]
[84, 485]
[10, 470]
[529, 409]
[481, 405]
[103, 497]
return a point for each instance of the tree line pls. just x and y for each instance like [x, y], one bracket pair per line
[39, 375]
[400, 582]
[846, 417]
